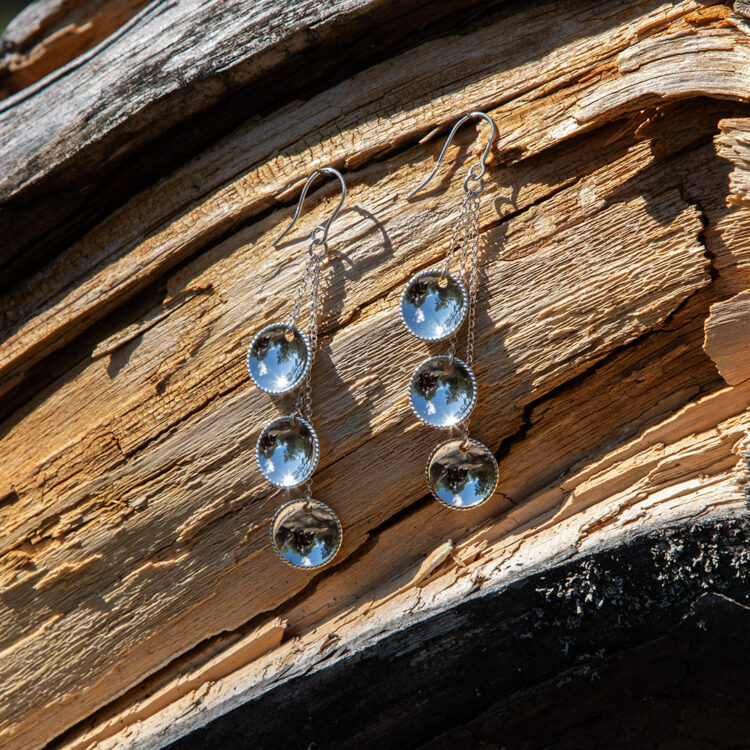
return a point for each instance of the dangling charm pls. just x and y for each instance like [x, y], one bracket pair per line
[433, 305]
[287, 451]
[278, 358]
[305, 533]
[461, 473]
[443, 391]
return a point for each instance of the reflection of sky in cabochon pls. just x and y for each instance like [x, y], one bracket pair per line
[287, 451]
[462, 479]
[319, 529]
[442, 394]
[275, 363]
[431, 311]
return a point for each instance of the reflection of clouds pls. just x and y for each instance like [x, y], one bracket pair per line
[466, 496]
[432, 311]
[286, 452]
[442, 394]
[275, 362]
[307, 539]
[462, 479]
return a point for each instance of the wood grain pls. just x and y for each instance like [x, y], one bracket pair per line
[241, 176]
[643, 485]
[159, 89]
[138, 595]
[50, 33]
[728, 338]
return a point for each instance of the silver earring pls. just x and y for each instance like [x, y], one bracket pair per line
[461, 472]
[305, 533]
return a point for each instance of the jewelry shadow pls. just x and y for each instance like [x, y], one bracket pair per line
[339, 415]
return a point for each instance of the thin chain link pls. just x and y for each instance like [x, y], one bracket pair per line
[311, 281]
[461, 229]
[469, 260]
[466, 237]
[301, 292]
[304, 401]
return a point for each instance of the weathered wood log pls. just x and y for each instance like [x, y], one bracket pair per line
[139, 599]
[570, 633]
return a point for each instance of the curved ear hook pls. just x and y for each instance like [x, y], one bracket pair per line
[482, 162]
[316, 240]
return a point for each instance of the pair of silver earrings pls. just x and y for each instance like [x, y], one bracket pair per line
[461, 472]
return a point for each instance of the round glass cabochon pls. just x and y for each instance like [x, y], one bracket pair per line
[305, 533]
[278, 358]
[433, 305]
[462, 473]
[443, 391]
[287, 451]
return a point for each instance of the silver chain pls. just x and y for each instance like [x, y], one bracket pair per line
[470, 258]
[301, 293]
[311, 281]
[466, 237]
[462, 229]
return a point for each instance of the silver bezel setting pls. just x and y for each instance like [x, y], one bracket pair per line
[474, 386]
[427, 272]
[316, 451]
[320, 505]
[429, 483]
[308, 362]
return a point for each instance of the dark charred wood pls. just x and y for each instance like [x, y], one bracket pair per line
[640, 646]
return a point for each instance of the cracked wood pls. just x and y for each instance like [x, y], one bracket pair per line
[139, 596]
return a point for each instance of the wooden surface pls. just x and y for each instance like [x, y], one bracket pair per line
[47, 34]
[138, 594]
[603, 651]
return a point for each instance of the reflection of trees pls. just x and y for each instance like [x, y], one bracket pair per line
[452, 382]
[276, 343]
[455, 473]
[458, 386]
[330, 542]
[423, 292]
[305, 534]
[297, 446]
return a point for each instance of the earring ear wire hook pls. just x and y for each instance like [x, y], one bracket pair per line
[482, 162]
[321, 229]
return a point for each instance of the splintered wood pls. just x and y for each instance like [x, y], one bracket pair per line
[138, 593]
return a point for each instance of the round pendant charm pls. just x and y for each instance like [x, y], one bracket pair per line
[305, 533]
[433, 305]
[442, 392]
[461, 473]
[287, 451]
[278, 358]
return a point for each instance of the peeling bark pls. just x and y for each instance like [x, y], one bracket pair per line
[139, 599]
